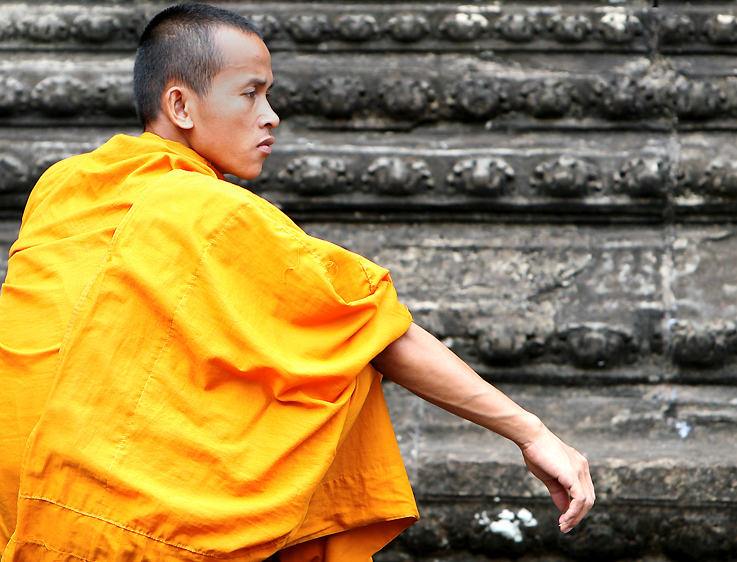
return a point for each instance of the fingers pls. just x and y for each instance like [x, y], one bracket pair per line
[577, 509]
[565, 473]
[582, 497]
[559, 494]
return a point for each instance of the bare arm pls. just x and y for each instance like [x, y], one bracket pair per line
[424, 366]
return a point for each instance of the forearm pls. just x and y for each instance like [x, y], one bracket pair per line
[426, 367]
[423, 365]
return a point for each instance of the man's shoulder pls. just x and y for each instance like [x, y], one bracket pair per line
[190, 184]
[202, 194]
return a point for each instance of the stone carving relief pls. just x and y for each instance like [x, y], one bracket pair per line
[14, 96]
[357, 27]
[314, 175]
[117, 97]
[642, 177]
[643, 90]
[518, 27]
[13, 173]
[512, 338]
[478, 98]
[484, 176]
[718, 178]
[565, 177]
[60, 96]
[525, 182]
[619, 27]
[43, 25]
[637, 91]
[406, 97]
[309, 28]
[507, 341]
[96, 27]
[676, 29]
[504, 343]
[547, 98]
[463, 26]
[79, 25]
[696, 99]
[398, 176]
[597, 346]
[708, 345]
[338, 96]
[573, 28]
[267, 24]
[408, 28]
[721, 29]
[45, 28]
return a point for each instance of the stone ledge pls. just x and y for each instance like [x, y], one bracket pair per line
[461, 175]
[611, 91]
[662, 494]
[376, 26]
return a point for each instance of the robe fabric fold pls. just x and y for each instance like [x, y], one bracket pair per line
[186, 374]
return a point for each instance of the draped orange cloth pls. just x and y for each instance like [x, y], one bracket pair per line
[186, 374]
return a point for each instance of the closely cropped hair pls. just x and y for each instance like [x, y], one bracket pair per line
[178, 45]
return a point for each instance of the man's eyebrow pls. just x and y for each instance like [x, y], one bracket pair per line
[257, 82]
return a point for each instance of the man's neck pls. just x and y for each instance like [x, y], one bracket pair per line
[166, 130]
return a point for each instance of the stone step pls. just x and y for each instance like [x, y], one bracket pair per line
[662, 458]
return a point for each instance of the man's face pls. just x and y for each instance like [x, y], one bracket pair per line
[233, 122]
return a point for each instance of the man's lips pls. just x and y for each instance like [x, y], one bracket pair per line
[265, 145]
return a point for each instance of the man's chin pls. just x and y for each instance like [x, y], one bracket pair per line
[250, 172]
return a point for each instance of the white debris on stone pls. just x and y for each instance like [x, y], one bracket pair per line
[506, 514]
[507, 529]
[507, 523]
[725, 19]
[482, 518]
[683, 428]
[525, 515]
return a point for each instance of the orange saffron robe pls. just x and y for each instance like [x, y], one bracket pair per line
[193, 371]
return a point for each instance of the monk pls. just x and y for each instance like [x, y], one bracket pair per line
[186, 375]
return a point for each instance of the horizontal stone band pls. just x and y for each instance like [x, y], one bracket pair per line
[434, 27]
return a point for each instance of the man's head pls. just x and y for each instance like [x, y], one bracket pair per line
[201, 78]
[178, 45]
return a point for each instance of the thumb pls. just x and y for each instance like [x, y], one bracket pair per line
[558, 492]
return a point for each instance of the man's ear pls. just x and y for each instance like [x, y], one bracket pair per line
[176, 104]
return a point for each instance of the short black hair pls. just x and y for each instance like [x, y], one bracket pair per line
[178, 45]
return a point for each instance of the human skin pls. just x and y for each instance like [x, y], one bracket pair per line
[231, 124]
[426, 367]
[231, 127]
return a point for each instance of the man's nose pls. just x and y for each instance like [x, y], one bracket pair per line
[270, 118]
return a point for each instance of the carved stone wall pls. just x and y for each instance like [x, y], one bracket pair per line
[553, 187]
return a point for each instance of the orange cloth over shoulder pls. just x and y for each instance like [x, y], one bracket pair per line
[193, 371]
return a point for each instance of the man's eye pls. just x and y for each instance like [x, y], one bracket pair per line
[250, 94]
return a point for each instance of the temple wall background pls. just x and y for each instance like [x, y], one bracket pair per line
[553, 187]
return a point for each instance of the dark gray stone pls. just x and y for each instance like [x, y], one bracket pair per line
[553, 187]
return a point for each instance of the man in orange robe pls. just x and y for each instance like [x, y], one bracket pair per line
[187, 376]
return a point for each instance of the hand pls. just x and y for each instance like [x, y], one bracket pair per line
[425, 366]
[565, 472]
